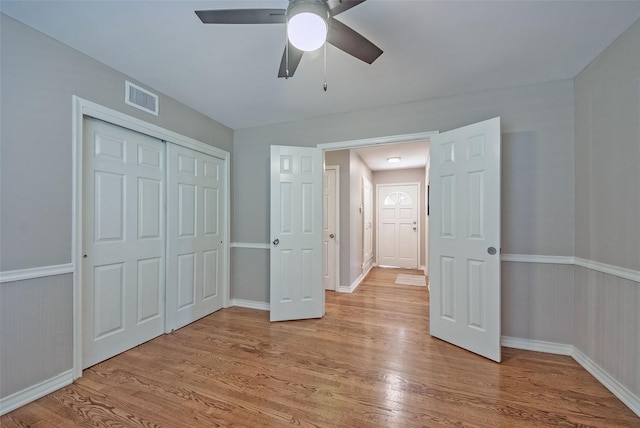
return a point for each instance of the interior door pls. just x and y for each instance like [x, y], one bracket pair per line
[397, 237]
[464, 275]
[330, 228]
[296, 233]
[196, 253]
[367, 223]
[123, 240]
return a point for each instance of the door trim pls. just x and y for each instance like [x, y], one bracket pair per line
[82, 108]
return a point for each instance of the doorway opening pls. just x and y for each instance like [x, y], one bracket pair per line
[363, 168]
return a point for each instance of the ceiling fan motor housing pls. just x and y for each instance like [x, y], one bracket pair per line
[317, 7]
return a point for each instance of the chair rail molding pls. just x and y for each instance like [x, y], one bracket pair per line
[36, 272]
[630, 274]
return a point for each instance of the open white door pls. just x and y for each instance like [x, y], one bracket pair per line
[296, 233]
[464, 240]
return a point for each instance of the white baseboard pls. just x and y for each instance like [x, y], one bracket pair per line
[619, 390]
[536, 345]
[34, 392]
[627, 397]
[250, 304]
[356, 283]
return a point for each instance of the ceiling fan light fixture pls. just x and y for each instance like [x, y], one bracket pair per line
[307, 25]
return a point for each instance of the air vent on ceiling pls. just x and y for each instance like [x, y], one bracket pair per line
[140, 98]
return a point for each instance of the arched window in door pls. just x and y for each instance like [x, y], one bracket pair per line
[397, 198]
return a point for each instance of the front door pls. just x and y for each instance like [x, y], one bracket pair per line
[123, 240]
[398, 225]
[296, 233]
[464, 238]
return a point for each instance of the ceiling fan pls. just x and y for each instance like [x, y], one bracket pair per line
[309, 24]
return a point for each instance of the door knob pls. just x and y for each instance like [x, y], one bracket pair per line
[415, 228]
[491, 250]
[332, 236]
[276, 242]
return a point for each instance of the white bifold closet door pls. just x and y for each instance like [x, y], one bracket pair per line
[123, 240]
[153, 231]
[195, 252]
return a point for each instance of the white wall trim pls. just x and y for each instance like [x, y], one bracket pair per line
[536, 258]
[34, 392]
[356, 283]
[250, 304]
[252, 245]
[536, 345]
[37, 272]
[619, 390]
[632, 275]
[377, 141]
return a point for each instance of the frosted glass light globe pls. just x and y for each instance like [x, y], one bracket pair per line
[307, 31]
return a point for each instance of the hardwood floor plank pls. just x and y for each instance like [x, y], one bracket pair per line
[370, 362]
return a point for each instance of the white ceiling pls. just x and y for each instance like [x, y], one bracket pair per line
[413, 154]
[431, 49]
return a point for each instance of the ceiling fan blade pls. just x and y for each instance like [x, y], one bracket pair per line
[339, 6]
[242, 16]
[295, 55]
[352, 42]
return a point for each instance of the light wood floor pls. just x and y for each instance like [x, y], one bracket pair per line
[370, 362]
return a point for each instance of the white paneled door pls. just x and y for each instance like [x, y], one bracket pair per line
[397, 237]
[296, 233]
[367, 224]
[330, 228]
[123, 240]
[464, 238]
[196, 252]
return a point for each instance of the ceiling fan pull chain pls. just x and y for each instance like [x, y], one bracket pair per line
[325, 67]
[286, 52]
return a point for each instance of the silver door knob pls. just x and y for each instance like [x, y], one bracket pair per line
[491, 250]
[276, 242]
[332, 236]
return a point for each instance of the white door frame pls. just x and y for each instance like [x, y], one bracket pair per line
[81, 108]
[336, 204]
[377, 141]
[419, 210]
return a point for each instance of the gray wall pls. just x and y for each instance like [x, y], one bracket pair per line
[357, 169]
[607, 155]
[537, 179]
[411, 175]
[350, 239]
[39, 77]
[607, 212]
